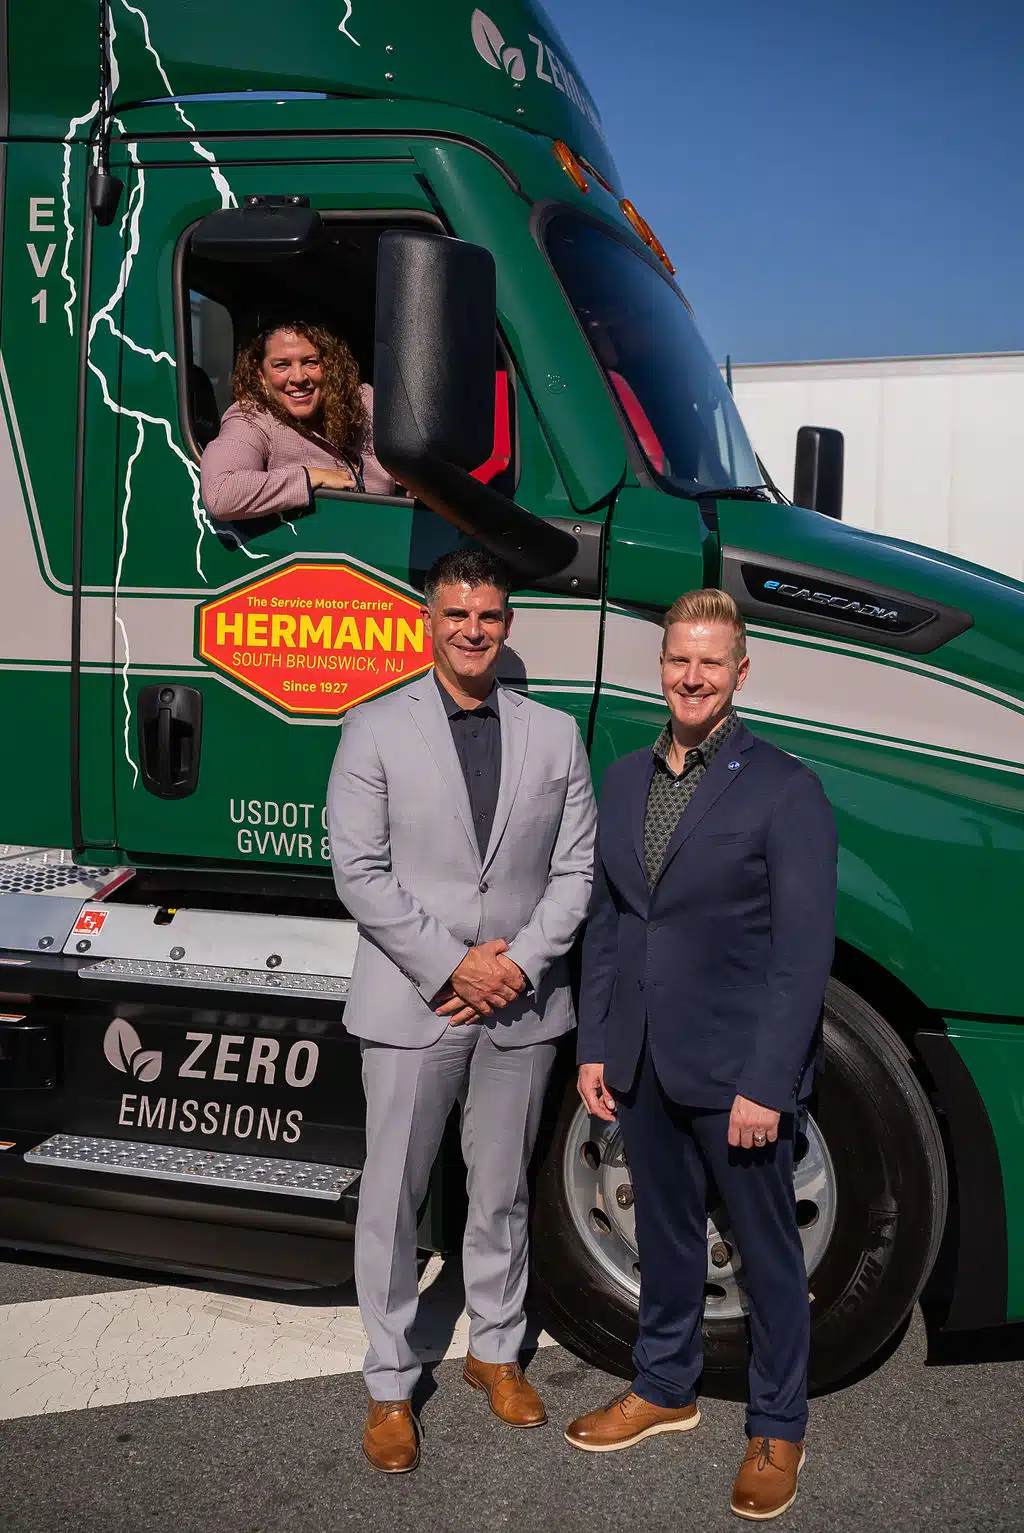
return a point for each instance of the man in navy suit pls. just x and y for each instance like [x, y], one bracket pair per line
[704, 969]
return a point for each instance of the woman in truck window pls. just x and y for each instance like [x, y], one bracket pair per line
[301, 421]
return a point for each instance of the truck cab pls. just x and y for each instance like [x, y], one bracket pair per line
[433, 184]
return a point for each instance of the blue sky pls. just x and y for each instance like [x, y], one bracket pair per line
[831, 180]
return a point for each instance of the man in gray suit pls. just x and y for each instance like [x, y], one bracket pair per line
[462, 835]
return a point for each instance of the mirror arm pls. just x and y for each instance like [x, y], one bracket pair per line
[530, 548]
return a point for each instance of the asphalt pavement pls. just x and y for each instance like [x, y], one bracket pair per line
[921, 1442]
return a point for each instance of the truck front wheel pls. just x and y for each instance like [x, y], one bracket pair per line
[871, 1191]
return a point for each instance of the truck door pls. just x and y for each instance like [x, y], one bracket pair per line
[239, 647]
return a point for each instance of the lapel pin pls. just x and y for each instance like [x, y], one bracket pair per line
[734, 766]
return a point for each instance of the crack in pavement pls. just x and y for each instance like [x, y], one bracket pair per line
[155, 1342]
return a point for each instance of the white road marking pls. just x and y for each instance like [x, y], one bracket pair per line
[152, 1343]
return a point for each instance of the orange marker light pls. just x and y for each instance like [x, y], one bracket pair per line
[646, 233]
[570, 164]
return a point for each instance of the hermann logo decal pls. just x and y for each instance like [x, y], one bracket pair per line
[315, 639]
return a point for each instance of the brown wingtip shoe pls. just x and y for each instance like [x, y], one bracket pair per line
[626, 1420]
[511, 1396]
[766, 1484]
[390, 1441]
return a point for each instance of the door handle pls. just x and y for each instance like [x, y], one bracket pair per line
[170, 727]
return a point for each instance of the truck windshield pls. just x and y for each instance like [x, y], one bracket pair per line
[644, 337]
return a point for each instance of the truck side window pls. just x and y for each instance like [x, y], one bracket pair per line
[222, 305]
[642, 334]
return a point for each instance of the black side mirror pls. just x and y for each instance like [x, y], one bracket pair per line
[263, 229]
[818, 471]
[433, 383]
[435, 347]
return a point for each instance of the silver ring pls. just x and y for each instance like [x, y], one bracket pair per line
[760, 1139]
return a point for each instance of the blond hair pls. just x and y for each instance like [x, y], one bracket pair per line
[709, 606]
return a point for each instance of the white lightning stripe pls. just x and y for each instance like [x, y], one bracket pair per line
[65, 181]
[153, 420]
[131, 218]
[69, 228]
[220, 181]
[126, 665]
[142, 351]
[103, 316]
[343, 26]
[128, 210]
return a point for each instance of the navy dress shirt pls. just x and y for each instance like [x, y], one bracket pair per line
[476, 735]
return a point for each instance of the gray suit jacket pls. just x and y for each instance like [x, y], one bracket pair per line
[408, 868]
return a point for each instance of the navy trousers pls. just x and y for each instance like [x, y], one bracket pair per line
[674, 1152]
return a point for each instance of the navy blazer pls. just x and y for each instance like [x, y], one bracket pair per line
[725, 961]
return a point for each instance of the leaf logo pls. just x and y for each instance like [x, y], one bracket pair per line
[491, 47]
[122, 1048]
[515, 64]
[146, 1064]
[489, 41]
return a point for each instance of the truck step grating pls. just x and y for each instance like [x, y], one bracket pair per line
[27, 870]
[179, 1163]
[161, 971]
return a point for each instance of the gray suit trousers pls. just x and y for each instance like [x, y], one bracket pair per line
[409, 1094]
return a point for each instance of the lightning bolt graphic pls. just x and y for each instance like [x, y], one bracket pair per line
[104, 316]
[127, 661]
[130, 228]
[220, 181]
[69, 228]
[343, 25]
[65, 182]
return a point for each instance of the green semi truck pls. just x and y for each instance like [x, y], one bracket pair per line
[176, 1085]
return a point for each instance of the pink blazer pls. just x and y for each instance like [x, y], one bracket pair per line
[257, 465]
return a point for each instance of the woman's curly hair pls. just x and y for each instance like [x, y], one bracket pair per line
[343, 417]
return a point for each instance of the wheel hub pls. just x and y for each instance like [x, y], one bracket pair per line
[599, 1192]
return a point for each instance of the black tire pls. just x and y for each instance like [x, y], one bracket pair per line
[891, 1190]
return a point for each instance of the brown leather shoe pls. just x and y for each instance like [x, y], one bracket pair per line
[512, 1398]
[626, 1420]
[390, 1441]
[766, 1483]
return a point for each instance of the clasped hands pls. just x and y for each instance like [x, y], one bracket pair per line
[483, 983]
[751, 1126]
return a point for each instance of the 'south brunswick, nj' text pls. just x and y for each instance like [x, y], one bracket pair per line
[315, 639]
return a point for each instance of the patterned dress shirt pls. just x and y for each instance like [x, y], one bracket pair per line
[669, 794]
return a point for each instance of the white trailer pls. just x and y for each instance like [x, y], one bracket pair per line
[929, 444]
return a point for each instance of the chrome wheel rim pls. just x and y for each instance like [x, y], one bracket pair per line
[599, 1192]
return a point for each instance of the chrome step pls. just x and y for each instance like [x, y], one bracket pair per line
[179, 1163]
[48, 870]
[161, 971]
